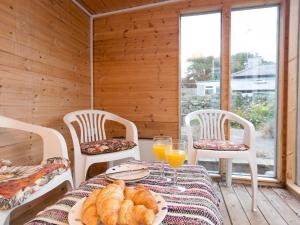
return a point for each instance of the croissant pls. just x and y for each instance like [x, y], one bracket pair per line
[89, 214]
[141, 196]
[125, 213]
[130, 214]
[109, 202]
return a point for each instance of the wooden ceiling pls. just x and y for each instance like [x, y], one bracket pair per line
[104, 6]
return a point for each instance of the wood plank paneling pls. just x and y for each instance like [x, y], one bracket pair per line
[257, 217]
[290, 199]
[223, 208]
[234, 206]
[271, 215]
[136, 69]
[286, 212]
[44, 70]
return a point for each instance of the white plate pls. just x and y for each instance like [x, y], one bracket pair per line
[130, 176]
[75, 212]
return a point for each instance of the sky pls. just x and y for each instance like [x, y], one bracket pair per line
[252, 30]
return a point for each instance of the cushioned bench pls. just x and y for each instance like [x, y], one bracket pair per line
[17, 183]
[20, 185]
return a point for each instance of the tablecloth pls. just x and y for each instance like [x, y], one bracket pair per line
[199, 204]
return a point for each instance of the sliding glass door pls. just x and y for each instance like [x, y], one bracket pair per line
[253, 79]
[200, 67]
[254, 72]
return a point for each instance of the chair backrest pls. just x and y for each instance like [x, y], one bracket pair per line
[54, 144]
[210, 123]
[91, 124]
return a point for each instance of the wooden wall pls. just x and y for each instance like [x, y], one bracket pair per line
[136, 64]
[44, 70]
[136, 69]
[293, 76]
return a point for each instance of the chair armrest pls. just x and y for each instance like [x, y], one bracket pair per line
[192, 153]
[249, 130]
[189, 132]
[131, 129]
[76, 144]
[54, 144]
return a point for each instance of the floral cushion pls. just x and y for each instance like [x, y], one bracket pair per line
[19, 182]
[219, 145]
[106, 146]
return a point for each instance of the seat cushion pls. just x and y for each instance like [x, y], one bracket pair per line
[106, 146]
[19, 182]
[219, 145]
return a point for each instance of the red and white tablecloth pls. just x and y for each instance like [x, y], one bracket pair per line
[199, 204]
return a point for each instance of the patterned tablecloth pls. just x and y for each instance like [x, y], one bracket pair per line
[199, 204]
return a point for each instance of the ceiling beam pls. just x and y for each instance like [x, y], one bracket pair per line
[82, 8]
[126, 10]
[136, 8]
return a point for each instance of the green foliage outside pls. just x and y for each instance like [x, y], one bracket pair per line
[239, 61]
[201, 69]
[208, 68]
[193, 103]
[259, 108]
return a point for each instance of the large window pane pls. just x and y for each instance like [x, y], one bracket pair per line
[200, 67]
[254, 69]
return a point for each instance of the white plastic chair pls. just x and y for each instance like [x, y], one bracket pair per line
[211, 125]
[54, 145]
[91, 123]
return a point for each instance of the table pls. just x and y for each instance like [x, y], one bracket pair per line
[199, 204]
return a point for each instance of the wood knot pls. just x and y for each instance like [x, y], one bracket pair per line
[150, 24]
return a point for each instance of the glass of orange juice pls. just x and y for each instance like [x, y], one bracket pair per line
[175, 157]
[160, 145]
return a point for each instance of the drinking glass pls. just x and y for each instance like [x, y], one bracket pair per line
[160, 145]
[175, 157]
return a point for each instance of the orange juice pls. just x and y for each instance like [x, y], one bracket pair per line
[175, 158]
[159, 151]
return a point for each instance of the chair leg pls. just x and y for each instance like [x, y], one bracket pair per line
[86, 168]
[110, 164]
[80, 172]
[70, 184]
[229, 172]
[193, 157]
[5, 217]
[137, 155]
[79, 177]
[253, 169]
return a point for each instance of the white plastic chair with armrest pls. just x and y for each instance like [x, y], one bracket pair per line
[211, 124]
[91, 124]
[54, 145]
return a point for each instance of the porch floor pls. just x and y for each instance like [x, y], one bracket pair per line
[275, 206]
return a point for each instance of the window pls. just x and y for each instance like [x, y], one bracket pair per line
[200, 67]
[253, 78]
[254, 72]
